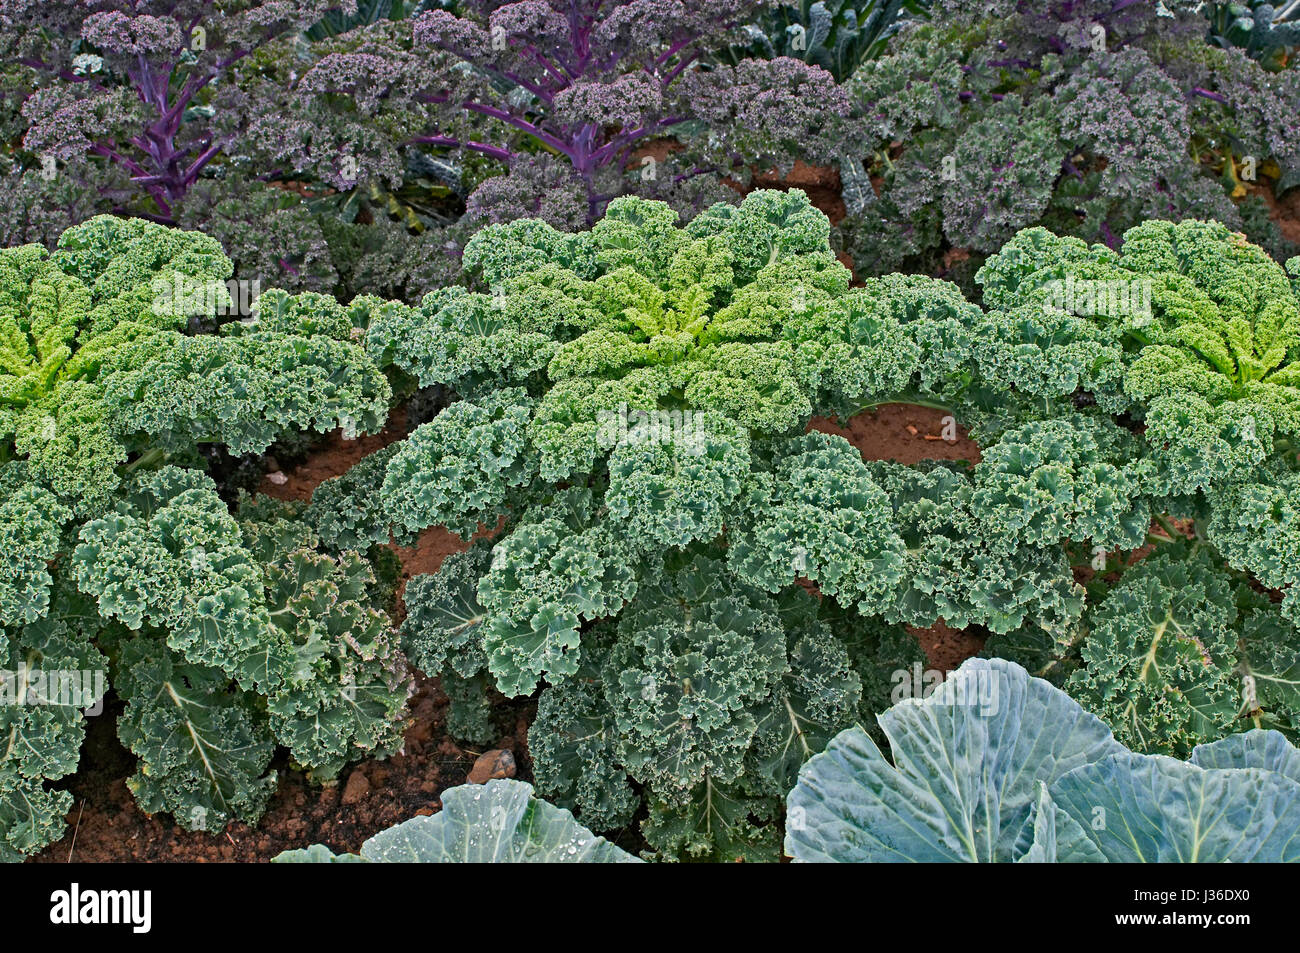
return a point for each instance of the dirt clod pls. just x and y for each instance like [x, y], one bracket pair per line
[357, 788]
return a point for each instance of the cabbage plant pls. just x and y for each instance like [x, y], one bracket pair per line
[996, 765]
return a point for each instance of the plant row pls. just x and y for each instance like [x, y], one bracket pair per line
[699, 591]
[351, 148]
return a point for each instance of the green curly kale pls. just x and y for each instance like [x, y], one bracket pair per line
[51, 676]
[680, 487]
[347, 511]
[1223, 341]
[632, 401]
[170, 555]
[1201, 327]
[575, 747]
[214, 599]
[965, 561]
[820, 516]
[1255, 524]
[849, 344]
[1175, 658]
[95, 367]
[636, 311]
[688, 664]
[458, 470]
[459, 339]
[546, 578]
[1076, 479]
[226, 635]
[346, 696]
[707, 692]
[443, 627]
[62, 316]
[204, 749]
[31, 525]
[443, 632]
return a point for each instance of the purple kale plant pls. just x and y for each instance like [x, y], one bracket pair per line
[579, 101]
[134, 97]
[1086, 116]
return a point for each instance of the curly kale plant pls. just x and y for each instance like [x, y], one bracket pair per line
[1186, 338]
[633, 401]
[98, 367]
[149, 109]
[135, 97]
[572, 96]
[51, 677]
[1255, 523]
[1174, 657]
[1199, 329]
[224, 635]
[1087, 118]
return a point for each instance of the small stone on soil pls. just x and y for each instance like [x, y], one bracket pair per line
[491, 765]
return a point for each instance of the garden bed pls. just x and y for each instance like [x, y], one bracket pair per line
[107, 826]
[422, 419]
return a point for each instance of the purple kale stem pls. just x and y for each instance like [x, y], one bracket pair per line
[1109, 237]
[193, 85]
[541, 92]
[544, 63]
[580, 26]
[625, 140]
[677, 70]
[159, 195]
[113, 155]
[496, 152]
[169, 179]
[521, 124]
[1208, 94]
[192, 173]
[673, 50]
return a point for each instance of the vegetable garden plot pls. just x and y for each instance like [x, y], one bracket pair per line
[386, 444]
